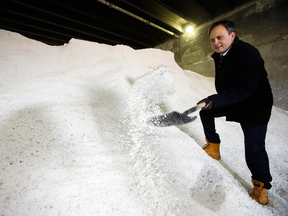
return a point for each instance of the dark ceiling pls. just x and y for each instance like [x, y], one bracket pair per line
[136, 23]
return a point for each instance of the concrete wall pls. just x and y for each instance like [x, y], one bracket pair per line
[262, 23]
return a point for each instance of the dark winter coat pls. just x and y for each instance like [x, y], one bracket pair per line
[243, 89]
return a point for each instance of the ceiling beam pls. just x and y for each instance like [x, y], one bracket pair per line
[152, 12]
[111, 19]
[45, 38]
[196, 12]
[68, 22]
[175, 9]
[230, 4]
[205, 7]
[42, 25]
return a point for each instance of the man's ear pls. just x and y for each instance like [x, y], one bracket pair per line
[233, 35]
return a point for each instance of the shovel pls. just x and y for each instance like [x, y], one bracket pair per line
[175, 118]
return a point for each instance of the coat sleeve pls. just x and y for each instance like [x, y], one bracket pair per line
[246, 75]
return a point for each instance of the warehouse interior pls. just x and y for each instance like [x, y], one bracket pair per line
[139, 24]
[79, 82]
[160, 24]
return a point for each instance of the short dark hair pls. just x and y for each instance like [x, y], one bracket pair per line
[230, 26]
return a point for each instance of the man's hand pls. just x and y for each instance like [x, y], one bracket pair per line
[208, 103]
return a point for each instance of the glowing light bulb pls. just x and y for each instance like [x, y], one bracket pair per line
[189, 29]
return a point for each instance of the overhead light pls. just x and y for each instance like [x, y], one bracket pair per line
[189, 29]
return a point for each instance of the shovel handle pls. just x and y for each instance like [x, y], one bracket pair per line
[201, 105]
[193, 109]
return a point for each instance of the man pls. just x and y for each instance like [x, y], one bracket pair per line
[243, 95]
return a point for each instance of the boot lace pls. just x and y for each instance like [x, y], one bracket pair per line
[254, 192]
[262, 195]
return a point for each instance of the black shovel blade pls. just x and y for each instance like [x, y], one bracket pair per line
[168, 119]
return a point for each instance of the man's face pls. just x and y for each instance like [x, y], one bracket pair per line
[220, 39]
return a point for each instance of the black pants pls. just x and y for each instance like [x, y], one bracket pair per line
[255, 152]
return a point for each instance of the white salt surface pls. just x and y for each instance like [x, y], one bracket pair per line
[74, 138]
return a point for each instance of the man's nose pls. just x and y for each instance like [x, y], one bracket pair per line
[216, 42]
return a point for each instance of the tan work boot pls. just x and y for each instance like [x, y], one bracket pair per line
[212, 149]
[259, 193]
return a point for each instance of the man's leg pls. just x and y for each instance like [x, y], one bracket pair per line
[212, 148]
[255, 153]
[208, 122]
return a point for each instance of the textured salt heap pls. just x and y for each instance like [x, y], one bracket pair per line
[74, 138]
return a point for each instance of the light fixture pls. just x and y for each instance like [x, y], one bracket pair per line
[188, 27]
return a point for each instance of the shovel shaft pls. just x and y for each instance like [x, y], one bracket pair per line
[201, 105]
[193, 109]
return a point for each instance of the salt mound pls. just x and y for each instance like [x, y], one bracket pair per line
[74, 138]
